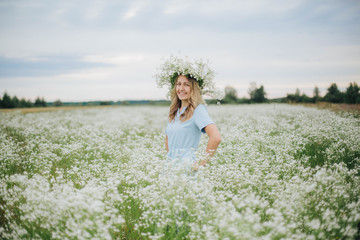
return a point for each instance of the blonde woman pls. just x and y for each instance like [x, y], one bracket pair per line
[188, 116]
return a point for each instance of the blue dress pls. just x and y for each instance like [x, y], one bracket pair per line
[184, 137]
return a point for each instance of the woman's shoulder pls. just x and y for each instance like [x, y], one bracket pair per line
[200, 108]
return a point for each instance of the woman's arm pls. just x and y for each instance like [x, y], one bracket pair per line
[214, 139]
[213, 143]
[166, 144]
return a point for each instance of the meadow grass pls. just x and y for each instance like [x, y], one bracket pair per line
[281, 172]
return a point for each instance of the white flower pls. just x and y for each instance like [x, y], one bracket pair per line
[197, 69]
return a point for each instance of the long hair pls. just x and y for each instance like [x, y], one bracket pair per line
[194, 100]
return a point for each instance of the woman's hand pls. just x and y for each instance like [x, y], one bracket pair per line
[214, 141]
[197, 165]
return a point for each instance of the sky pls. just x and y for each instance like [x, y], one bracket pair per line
[111, 49]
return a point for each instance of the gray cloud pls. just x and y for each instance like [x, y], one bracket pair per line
[43, 66]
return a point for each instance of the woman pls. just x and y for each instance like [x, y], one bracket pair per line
[188, 117]
[188, 81]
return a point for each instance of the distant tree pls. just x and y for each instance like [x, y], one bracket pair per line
[334, 95]
[22, 103]
[252, 90]
[15, 102]
[43, 102]
[6, 101]
[105, 103]
[260, 95]
[230, 95]
[40, 102]
[352, 94]
[298, 98]
[257, 95]
[297, 95]
[29, 103]
[58, 103]
[316, 95]
[25, 103]
[37, 102]
[290, 98]
[305, 99]
[243, 100]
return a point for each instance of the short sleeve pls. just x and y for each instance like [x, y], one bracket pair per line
[166, 128]
[201, 117]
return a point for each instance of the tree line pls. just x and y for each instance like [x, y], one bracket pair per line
[350, 96]
[258, 95]
[14, 102]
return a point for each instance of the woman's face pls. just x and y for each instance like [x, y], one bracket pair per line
[183, 89]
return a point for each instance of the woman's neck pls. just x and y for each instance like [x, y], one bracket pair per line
[184, 103]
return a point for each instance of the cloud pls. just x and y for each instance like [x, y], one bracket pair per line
[43, 66]
[118, 76]
[114, 59]
[130, 14]
[110, 83]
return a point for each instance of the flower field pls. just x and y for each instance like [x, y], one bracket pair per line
[280, 172]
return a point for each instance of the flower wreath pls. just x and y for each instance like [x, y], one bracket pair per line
[198, 70]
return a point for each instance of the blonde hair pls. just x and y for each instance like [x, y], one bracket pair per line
[194, 100]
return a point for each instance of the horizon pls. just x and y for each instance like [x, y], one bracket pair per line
[160, 99]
